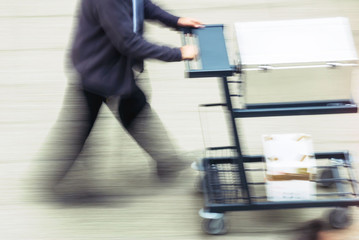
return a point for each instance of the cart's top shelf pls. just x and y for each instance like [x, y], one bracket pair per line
[302, 41]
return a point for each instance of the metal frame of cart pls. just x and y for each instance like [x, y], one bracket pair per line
[225, 183]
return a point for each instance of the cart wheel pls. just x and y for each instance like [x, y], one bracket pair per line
[214, 226]
[340, 218]
[324, 175]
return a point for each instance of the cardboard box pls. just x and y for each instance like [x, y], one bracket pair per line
[290, 190]
[290, 164]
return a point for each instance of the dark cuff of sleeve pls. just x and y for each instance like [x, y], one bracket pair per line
[178, 55]
[172, 20]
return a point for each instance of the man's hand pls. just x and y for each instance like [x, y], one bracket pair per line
[189, 22]
[189, 52]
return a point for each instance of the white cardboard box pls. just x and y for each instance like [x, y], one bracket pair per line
[292, 190]
[290, 166]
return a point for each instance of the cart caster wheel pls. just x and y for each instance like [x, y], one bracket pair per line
[197, 166]
[214, 226]
[326, 174]
[340, 218]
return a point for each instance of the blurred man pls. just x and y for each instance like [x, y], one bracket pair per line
[107, 51]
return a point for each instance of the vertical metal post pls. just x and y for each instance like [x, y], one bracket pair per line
[352, 176]
[338, 184]
[240, 163]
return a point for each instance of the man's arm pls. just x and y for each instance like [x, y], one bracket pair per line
[154, 12]
[115, 18]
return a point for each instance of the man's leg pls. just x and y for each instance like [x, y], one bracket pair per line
[149, 132]
[68, 136]
[144, 125]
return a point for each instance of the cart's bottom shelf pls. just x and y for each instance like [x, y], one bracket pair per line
[224, 190]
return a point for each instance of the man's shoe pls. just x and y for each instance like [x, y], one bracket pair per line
[170, 170]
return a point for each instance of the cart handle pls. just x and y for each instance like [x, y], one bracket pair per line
[212, 59]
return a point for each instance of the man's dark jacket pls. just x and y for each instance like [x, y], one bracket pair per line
[106, 47]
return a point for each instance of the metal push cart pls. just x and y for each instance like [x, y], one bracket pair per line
[225, 178]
